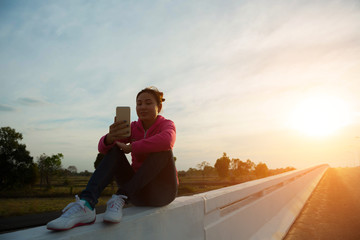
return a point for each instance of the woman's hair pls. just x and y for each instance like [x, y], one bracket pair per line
[155, 92]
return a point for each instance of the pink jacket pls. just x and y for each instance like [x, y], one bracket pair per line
[159, 137]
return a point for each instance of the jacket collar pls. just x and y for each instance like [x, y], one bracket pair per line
[159, 119]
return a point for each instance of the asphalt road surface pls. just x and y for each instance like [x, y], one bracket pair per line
[333, 209]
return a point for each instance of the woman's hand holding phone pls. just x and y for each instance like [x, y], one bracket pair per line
[117, 130]
[125, 147]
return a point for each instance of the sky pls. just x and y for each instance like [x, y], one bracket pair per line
[276, 82]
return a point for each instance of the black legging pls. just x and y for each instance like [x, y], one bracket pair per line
[154, 184]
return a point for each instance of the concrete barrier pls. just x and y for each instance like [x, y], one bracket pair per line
[260, 209]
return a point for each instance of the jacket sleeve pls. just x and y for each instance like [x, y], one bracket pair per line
[162, 141]
[103, 148]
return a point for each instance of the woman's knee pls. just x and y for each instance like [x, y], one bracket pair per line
[111, 160]
[115, 151]
[161, 159]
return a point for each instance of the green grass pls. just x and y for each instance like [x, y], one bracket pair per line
[22, 206]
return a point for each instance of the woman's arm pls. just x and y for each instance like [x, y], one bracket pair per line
[117, 130]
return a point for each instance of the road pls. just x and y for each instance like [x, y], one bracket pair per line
[333, 209]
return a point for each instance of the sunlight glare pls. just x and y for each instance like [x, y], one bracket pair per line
[320, 115]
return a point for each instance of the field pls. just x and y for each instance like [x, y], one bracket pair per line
[42, 199]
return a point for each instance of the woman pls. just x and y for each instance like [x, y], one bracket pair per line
[151, 179]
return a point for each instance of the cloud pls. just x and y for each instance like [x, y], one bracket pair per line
[55, 121]
[4, 108]
[30, 101]
[228, 69]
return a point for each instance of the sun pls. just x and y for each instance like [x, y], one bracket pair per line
[320, 115]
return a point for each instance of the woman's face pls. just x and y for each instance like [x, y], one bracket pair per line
[146, 107]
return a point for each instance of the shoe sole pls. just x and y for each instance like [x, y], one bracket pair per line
[76, 225]
[112, 222]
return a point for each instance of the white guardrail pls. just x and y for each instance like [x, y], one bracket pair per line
[259, 209]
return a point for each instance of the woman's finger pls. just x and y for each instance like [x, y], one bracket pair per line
[121, 133]
[118, 125]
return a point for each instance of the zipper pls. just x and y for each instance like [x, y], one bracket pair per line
[145, 133]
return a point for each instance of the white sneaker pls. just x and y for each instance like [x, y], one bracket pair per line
[74, 214]
[114, 208]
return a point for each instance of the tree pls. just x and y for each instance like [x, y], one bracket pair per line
[222, 165]
[208, 170]
[72, 169]
[17, 168]
[234, 164]
[201, 166]
[261, 170]
[250, 165]
[85, 173]
[241, 168]
[49, 166]
[192, 172]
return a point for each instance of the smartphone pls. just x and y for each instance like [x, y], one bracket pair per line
[123, 114]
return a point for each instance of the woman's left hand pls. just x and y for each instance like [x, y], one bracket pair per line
[125, 147]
